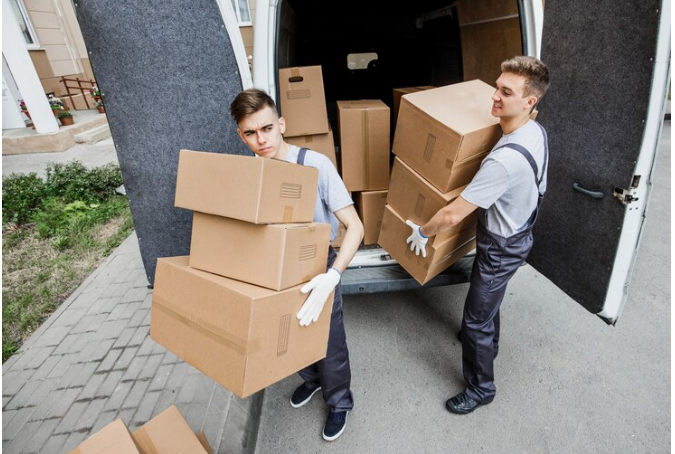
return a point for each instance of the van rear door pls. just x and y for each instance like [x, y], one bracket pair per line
[609, 65]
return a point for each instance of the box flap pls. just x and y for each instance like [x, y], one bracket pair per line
[168, 433]
[112, 439]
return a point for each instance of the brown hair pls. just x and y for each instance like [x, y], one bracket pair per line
[249, 102]
[533, 70]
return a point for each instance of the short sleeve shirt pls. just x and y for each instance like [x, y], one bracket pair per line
[332, 195]
[505, 185]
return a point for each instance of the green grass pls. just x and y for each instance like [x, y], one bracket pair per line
[46, 260]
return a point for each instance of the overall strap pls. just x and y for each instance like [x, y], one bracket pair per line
[301, 156]
[527, 155]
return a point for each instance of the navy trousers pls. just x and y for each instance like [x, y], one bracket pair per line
[497, 260]
[333, 373]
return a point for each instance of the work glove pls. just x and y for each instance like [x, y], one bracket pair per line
[417, 241]
[321, 287]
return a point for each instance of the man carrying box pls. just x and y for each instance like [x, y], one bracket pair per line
[507, 191]
[261, 128]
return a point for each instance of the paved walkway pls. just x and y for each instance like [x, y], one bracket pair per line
[93, 361]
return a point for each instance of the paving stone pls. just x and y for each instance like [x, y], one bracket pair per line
[56, 404]
[19, 418]
[62, 366]
[78, 374]
[89, 390]
[146, 408]
[54, 443]
[124, 361]
[73, 343]
[115, 290]
[20, 399]
[70, 418]
[96, 351]
[52, 337]
[170, 358]
[137, 319]
[189, 389]
[166, 399]
[126, 415]
[139, 336]
[160, 378]
[134, 369]
[46, 387]
[109, 385]
[147, 347]
[13, 381]
[74, 440]
[104, 418]
[111, 329]
[109, 361]
[136, 294]
[178, 374]
[196, 414]
[151, 365]
[119, 395]
[85, 300]
[90, 415]
[136, 394]
[47, 366]
[38, 437]
[5, 400]
[124, 311]
[69, 317]
[125, 336]
[17, 444]
[89, 323]
[36, 357]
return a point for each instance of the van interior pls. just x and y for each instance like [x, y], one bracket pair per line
[368, 48]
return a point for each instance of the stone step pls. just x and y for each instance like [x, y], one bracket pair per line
[93, 135]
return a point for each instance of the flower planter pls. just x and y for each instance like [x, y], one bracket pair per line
[67, 121]
[101, 109]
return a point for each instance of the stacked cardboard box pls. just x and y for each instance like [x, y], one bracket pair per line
[441, 138]
[229, 308]
[167, 433]
[371, 208]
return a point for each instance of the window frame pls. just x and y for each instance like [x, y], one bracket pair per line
[237, 13]
[29, 25]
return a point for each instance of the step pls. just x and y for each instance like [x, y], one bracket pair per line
[93, 135]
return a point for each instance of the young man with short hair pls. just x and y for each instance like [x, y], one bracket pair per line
[507, 191]
[261, 128]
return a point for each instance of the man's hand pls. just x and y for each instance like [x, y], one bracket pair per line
[417, 241]
[321, 287]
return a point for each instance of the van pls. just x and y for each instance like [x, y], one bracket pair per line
[169, 82]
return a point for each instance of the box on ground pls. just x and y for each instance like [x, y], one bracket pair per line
[371, 208]
[276, 256]
[302, 101]
[364, 144]
[112, 439]
[321, 143]
[441, 128]
[169, 433]
[440, 254]
[414, 198]
[240, 335]
[398, 92]
[256, 190]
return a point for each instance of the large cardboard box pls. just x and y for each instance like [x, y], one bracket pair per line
[398, 92]
[337, 241]
[364, 144]
[414, 198]
[321, 143]
[440, 129]
[440, 254]
[256, 190]
[168, 433]
[371, 208]
[302, 101]
[112, 439]
[276, 256]
[242, 336]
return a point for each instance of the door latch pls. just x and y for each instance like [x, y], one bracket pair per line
[627, 196]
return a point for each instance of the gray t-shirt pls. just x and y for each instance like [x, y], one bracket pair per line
[505, 185]
[332, 195]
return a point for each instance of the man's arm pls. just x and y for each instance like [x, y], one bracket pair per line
[448, 216]
[353, 237]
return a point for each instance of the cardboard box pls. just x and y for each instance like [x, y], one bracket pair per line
[414, 198]
[364, 144]
[256, 190]
[441, 128]
[321, 143]
[337, 241]
[398, 92]
[276, 256]
[371, 208]
[168, 433]
[440, 254]
[112, 439]
[242, 336]
[302, 101]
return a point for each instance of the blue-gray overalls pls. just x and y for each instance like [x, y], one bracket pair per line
[497, 260]
[332, 373]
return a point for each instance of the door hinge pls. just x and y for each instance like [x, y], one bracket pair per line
[627, 196]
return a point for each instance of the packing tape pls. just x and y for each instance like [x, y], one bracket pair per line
[366, 147]
[288, 214]
[207, 329]
[295, 72]
[142, 437]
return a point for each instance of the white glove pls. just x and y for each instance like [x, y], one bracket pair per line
[321, 287]
[417, 241]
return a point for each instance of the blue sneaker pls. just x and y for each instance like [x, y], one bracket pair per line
[302, 395]
[335, 425]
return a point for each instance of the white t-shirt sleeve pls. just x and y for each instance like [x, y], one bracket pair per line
[332, 189]
[489, 184]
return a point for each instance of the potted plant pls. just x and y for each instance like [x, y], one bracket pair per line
[95, 93]
[24, 108]
[57, 105]
[65, 117]
[100, 107]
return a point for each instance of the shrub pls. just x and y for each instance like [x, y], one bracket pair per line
[72, 181]
[22, 196]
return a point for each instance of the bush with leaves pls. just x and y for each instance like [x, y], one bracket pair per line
[73, 181]
[22, 196]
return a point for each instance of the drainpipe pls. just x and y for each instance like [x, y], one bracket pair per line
[20, 64]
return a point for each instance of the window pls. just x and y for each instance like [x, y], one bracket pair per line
[361, 61]
[242, 11]
[24, 23]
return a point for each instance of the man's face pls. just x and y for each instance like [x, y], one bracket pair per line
[262, 132]
[509, 99]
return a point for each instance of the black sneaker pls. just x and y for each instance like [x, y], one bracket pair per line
[335, 425]
[302, 395]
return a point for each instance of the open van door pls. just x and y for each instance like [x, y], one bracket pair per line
[610, 69]
[167, 72]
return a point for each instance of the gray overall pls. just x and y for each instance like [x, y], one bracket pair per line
[497, 260]
[332, 373]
